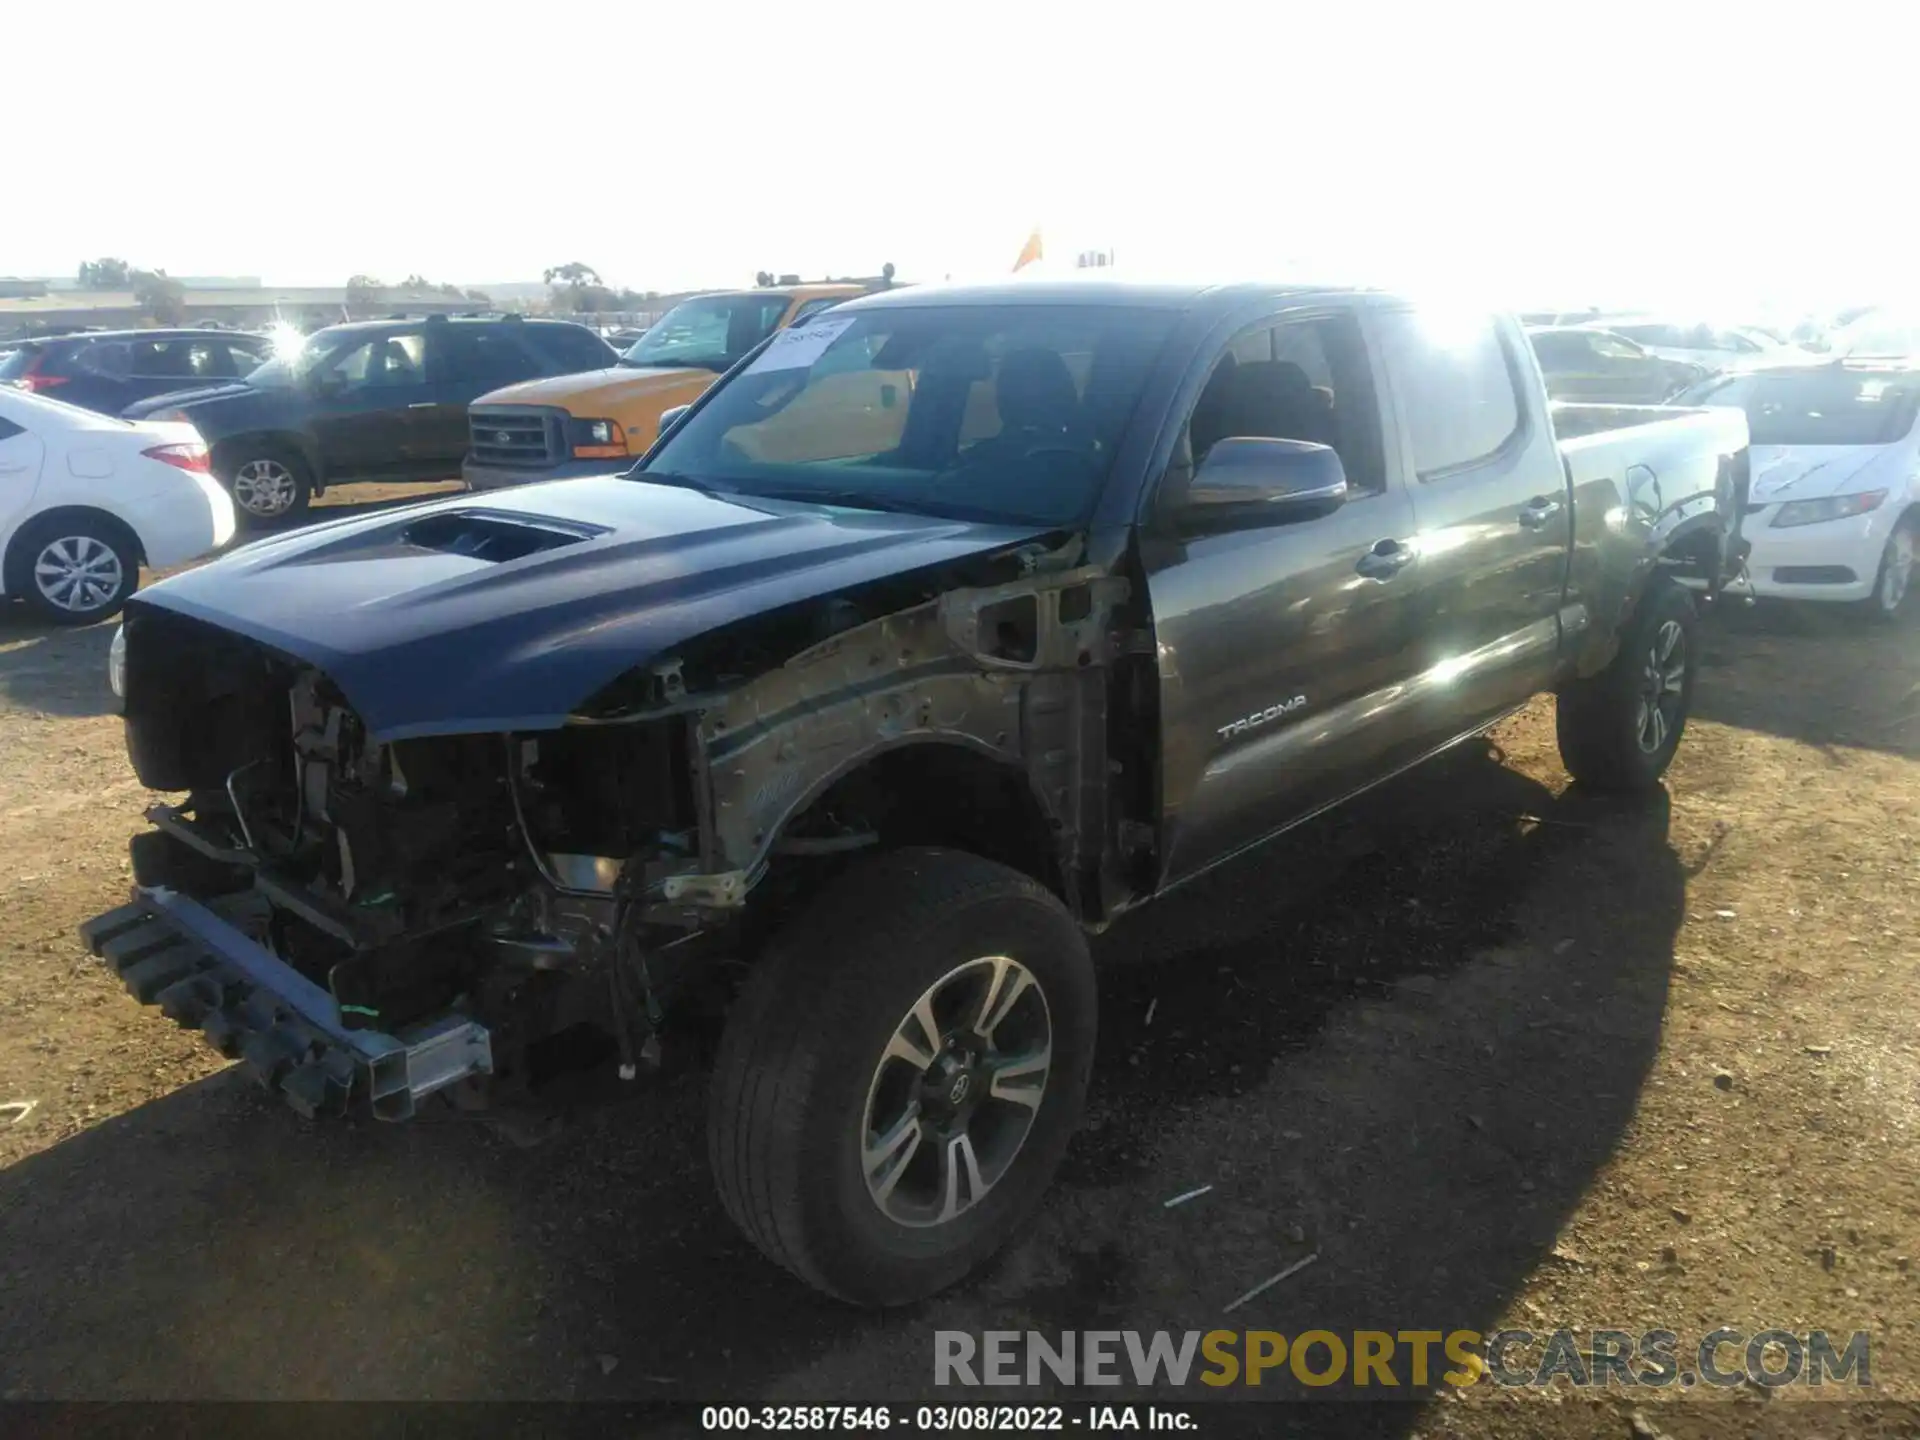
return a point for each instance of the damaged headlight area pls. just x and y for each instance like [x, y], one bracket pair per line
[392, 919]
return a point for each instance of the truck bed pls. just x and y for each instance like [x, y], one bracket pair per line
[1665, 475]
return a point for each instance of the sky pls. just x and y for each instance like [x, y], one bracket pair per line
[1705, 156]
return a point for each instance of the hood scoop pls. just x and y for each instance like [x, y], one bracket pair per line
[492, 535]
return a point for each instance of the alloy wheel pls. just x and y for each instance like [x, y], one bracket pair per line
[1896, 575]
[1662, 687]
[956, 1091]
[78, 574]
[264, 488]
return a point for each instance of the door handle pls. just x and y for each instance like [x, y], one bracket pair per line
[1536, 512]
[1385, 560]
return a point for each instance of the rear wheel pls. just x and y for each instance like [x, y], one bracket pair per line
[73, 571]
[898, 1082]
[270, 484]
[1618, 730]
[1892, 596]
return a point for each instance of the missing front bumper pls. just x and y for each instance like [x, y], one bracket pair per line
[207, 975]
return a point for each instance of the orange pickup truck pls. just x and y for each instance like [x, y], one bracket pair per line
[602, 420]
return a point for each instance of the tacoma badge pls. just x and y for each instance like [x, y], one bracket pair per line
[1261, 717]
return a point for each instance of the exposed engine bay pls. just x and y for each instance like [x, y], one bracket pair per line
[564, 891]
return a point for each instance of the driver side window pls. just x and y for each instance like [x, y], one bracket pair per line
[1305, 379]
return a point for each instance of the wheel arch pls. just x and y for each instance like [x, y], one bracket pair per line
[946, 789]
[226, 452]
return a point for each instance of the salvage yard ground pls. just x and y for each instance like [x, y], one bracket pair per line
[1497, 1052]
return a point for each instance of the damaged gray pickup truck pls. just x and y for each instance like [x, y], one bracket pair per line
[938, 634]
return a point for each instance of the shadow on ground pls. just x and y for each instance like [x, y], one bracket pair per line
[53, 670]
[1402, 1040]
[1772, 667]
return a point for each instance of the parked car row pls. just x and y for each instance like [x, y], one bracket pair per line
[499, 400]
[369, 400]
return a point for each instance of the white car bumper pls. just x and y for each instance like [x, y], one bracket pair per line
[1834, 560]
[185, 521]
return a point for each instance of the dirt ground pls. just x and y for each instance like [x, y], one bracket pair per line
[1498, 1054]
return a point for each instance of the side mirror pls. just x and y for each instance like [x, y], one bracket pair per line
[670, 418]
[1258, 481]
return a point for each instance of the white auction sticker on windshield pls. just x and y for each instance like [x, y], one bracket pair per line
[796, 349]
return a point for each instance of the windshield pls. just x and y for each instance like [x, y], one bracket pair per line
[294, 363]
[1879, 337]
[1828, 407]
[709, 333]
[1002, 413]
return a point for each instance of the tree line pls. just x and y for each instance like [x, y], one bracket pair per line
[573, 288]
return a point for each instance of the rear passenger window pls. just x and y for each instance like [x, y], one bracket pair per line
[482, 356]
[1457, 388]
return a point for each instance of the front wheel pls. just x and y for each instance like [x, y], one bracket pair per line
[1893, 585]
[899, 1080]
[1618, 730]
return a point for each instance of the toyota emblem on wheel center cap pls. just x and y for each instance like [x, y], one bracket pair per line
[958, 1091]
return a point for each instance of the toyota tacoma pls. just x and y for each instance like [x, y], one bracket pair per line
[852, 727]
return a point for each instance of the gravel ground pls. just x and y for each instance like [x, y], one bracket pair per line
[1497, 1053]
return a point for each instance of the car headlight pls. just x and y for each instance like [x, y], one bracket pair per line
[597, 439]
[117, 663]
[1832, 507]
[167, 417]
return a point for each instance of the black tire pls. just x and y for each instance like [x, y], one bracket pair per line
[73, 570]
[1892, 599]
[799, 1073]
[271, 485]
[1603, 730]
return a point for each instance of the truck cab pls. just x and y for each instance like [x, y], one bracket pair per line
[603, 420]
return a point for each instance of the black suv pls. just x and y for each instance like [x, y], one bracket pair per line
[108, 370]
[374, 400]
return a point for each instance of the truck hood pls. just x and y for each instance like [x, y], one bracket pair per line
[1810, 472]
[461, 617]
[615, 386]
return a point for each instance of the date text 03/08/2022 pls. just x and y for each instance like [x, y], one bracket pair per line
[946, 1419]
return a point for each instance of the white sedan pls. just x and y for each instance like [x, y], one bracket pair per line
[1833, 512]
[86, 500]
